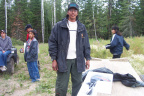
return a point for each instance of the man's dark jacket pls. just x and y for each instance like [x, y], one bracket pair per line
[59, 44]
[116, 45]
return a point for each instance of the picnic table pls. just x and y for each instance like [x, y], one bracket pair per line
[121, 66]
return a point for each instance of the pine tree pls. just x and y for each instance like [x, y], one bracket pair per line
[139, 17]
[127, 22]
[87, 17]
[35, 8]
[58, 10]
[21, 16]
[17, 30]
[2, 15]
[48, 18]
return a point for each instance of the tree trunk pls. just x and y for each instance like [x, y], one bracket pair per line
[54, 12]
[52, 17]
[5, 16]
[42, 20]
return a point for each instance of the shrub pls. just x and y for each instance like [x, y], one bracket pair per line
[16, 42]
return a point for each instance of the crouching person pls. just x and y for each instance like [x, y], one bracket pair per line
[31, 56]
[5, 49]
[117, 43]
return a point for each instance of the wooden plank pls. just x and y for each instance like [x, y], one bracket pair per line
[122, 67]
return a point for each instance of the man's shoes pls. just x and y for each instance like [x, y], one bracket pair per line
[3, 68]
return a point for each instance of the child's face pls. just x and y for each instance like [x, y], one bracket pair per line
[113, 31]
[31, 35]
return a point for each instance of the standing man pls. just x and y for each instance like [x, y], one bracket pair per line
[69, 47]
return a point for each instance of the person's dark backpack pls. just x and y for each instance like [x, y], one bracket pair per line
[36, 34]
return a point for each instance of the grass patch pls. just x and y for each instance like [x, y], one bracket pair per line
[22, 76]
[6, 76]
[46, 86]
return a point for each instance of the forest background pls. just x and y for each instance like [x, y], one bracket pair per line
[97, 15]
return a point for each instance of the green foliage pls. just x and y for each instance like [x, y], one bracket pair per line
[47, 18]
[35, 8]
[2, 15]
[98, 47]
[127, 21]
[16, 42]
[48, 84]
[139, 18]
[87, 16]
[22, 76]
[127, 14]
[6, 76]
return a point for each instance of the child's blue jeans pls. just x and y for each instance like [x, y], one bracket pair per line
[33, 71]
[3, 57]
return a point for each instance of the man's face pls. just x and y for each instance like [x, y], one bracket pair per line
[73, 13]
[31, 35]
[28, 29]
[3, 34]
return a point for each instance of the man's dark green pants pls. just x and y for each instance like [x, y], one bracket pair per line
[63, 79]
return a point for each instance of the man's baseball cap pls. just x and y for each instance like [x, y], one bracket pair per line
[28, 26]
[73, 5]
[3, 31]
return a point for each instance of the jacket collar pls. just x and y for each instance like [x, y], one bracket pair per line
[80, 25]
[4, 38]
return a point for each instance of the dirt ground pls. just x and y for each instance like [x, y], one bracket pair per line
[10, 85]
[20, 85]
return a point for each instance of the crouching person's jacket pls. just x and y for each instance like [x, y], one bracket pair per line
[116, 45]
[59, 43]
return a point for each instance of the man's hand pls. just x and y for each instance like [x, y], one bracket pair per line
[3, 51]
[87, 64]
[54, 65]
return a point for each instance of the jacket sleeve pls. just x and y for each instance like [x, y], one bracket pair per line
[108, 46]
[113, 43]
[9, 46]
[52, 42]
[127, 46]
[0, 48]
[87, 47]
